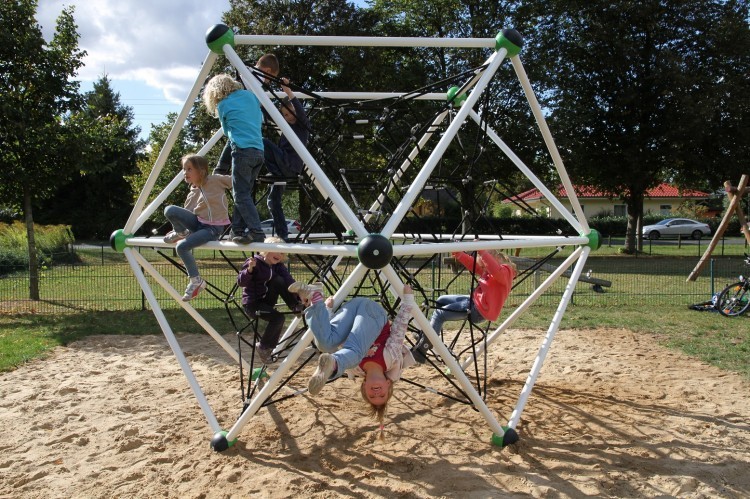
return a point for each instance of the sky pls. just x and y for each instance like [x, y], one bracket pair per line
[151, 50]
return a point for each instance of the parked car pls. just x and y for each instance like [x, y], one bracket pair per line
[673, 227]
[292, 226]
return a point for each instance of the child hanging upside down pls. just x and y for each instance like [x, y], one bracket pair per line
[358, 336]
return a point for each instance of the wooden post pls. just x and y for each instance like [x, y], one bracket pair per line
[734, 205]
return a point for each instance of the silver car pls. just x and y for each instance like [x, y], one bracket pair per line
[673, 227]
[292, 226]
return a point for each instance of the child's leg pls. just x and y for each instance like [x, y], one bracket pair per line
[182, 220]
[449, 308]
[277, 211]
[198, 237]
[246, 164]
[364, 320]
[224, 165]
[274, 327]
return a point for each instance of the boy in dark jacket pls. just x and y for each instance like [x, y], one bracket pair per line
[264, 278]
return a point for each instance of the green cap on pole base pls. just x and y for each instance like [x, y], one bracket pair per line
[217, 36]
[118, 238]
[508, 438]
[259, 373]
[511, 40]
[219, 442]
[595, 239]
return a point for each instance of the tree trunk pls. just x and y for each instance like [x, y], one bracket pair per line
[634, 205]
[33, 262]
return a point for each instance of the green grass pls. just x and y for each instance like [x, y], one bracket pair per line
[710, 337]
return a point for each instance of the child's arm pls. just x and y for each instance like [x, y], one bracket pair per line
[191, 201]
[472, 264]
[245, 277]
[299, 110]
[400, 323]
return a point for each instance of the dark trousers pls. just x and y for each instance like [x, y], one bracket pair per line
[264, 309]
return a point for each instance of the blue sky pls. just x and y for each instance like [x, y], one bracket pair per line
[151, 50]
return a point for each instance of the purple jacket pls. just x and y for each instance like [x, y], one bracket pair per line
[255, 282]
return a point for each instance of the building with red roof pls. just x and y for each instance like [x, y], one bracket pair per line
[661, 199]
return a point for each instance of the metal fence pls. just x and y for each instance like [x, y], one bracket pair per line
[99, 279]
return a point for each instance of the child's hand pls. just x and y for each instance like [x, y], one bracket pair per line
[250, 264]
[408, 290]
[329, 302]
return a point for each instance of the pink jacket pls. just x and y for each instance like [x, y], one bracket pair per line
[494, 282]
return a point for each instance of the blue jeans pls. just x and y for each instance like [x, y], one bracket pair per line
[224, 165]
[454, 308]
[246, 164]
[183, 221]
[357, 324]
[278, 166]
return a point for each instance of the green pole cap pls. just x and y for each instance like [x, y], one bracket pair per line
[451, 96]
[217, 36]
[511, 40]
[118, 238]
[595, 239]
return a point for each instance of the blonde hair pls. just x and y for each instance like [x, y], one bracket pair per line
[273, 240]
[217, 89]
[199, 163]
[507, 261]
[377, 411]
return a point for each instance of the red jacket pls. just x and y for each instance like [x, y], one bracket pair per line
[495, 280]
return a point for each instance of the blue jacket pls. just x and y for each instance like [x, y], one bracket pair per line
[241, 119]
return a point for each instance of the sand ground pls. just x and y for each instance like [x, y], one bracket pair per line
[612, 414]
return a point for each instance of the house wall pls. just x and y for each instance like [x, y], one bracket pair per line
[593, 207]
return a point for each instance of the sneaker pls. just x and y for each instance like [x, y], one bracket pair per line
[421, 348]
[196, 285]
[264, 354]
[257, 237]
[173, 236]
[241, 238]
[306, 291]
[326, 367]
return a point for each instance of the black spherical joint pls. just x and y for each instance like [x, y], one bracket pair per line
[375, 251]
[510, 437]
[514, 37]
[219, 442]
[215, 32]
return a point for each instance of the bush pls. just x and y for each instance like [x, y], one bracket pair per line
[51, 240]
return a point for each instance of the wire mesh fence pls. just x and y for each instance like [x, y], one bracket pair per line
[99, 279]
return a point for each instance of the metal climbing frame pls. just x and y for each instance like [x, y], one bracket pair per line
[506, 46]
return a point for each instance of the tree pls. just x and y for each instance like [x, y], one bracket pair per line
[37, 95]
[644, 92]
[97, 193]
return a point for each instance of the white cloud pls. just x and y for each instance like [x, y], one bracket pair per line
[158, 42]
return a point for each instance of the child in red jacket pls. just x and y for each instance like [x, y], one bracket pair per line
[496, 273]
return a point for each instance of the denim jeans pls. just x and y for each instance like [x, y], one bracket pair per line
[357, 324]
[278, 166]
[246, 164]
[185, 220]
[454, 308]
[224, 165]
[264, 309]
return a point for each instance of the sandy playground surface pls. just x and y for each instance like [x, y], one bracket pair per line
[613, 414]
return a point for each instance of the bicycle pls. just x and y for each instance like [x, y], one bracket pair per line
[734, 300]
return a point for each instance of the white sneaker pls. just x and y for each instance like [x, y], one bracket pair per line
[173, 236]
[196, 285]
[305, 291]
[326, 367]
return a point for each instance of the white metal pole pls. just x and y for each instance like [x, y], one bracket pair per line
[534, 179]
[190, 310]
[173, 344]
[445, 354]
[553, 328]
[530, 300]
[416, 187]
[556, 159]
[364, 41]
[130, 225]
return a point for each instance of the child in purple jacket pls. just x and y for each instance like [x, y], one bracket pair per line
[264, 278]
